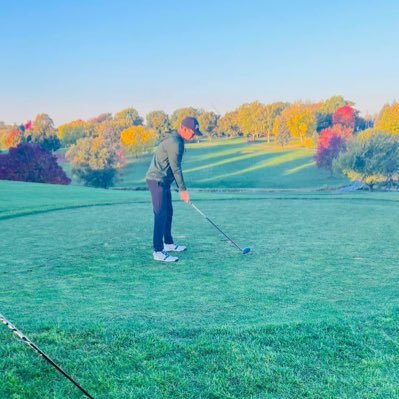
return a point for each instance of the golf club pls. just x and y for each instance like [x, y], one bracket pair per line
[33, 346]
[242, 250]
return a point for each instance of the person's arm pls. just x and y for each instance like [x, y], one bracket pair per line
[175, 152]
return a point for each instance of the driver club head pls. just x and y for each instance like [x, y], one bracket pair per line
[245, 250]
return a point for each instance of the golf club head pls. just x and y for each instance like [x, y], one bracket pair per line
[246, 250]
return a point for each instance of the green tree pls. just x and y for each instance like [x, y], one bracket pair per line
[208, 122]
[330, 105]
[127, 118]
[71, 132]
[372, 157]
[44, 133]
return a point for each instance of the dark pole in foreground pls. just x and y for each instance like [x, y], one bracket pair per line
[33, 346]
[242, 250]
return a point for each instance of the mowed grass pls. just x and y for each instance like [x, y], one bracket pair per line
[311, 312]
[234, 163]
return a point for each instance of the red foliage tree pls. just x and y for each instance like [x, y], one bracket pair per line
[28, 125]
[17, 135]
[345, 116]
[330, 143]
[31, 163]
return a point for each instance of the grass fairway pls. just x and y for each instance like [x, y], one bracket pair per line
[235, 163]
[311, 312]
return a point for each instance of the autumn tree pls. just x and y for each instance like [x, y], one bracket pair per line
[330, 105]
[106, 116]
[181, 113]
[326, 109]
[14, 137]
[127, 118]
[158, 121]
[44, 133]
[227, 125]
[270, 113]
[71, 132]
[331, 142]
[345, 116]
[137, 140]
[96, 160]
[300, 120]
[388, 119]
[3, 138]
[280, 131]
[252, 119]
[31, 163]
[18, 134]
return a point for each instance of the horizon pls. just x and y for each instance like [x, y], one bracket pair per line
[81, 60]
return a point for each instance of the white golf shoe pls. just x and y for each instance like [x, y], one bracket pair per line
[163, 256]
[174, 248]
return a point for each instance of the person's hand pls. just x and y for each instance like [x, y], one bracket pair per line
[184, 195]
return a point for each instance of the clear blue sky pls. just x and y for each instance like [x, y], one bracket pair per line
[76, 59]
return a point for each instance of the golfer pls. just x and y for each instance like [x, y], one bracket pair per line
[164, 169]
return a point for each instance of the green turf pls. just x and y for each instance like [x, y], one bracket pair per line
[234, 163]
[311, 312]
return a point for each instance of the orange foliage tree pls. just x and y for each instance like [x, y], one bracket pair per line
[138, 140]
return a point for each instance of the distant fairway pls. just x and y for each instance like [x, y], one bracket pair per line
[234, 163]
[311, 312]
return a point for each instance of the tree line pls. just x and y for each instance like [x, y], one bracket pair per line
[370, 155]
[97, 147]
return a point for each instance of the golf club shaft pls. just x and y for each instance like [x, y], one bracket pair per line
[41, 353]
[210, 221]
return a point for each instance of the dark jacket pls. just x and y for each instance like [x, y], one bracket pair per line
[165, 166]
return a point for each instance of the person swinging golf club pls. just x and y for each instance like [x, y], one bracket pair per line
[165, 168]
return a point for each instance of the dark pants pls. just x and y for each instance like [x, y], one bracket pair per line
[163, 214]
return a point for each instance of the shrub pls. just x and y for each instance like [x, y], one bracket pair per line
[372, 158]
[31, 163]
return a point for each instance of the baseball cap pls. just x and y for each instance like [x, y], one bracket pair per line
[191, 123]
